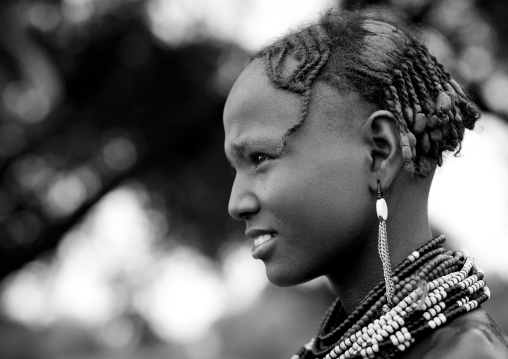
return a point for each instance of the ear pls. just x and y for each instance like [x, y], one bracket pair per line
[381, 134]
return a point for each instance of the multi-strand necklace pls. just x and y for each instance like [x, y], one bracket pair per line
[432, 287]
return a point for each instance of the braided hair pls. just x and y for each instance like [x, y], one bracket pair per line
[389, 67]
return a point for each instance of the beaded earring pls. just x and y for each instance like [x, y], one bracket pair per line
[382, 215]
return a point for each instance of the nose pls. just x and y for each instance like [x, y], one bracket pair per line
[243, 202]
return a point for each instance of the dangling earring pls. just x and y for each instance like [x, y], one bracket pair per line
[382, 215]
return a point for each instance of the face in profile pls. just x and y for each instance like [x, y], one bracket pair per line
[306, 206]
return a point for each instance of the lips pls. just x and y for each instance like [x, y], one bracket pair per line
[262, 238]
[259, 240]
[258, 234]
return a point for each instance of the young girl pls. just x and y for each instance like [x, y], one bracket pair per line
[326, 129]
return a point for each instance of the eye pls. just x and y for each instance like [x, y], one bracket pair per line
[259, 158]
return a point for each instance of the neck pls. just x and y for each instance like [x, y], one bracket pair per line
[408, 229]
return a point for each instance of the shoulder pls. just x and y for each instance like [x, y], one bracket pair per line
[473, 335]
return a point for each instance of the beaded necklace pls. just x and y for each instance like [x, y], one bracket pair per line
[432, 286]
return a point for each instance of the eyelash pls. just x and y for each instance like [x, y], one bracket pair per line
[256, 158]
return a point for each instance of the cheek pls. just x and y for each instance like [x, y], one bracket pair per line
[318, 197]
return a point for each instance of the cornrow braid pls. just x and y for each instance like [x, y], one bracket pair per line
[385, 63]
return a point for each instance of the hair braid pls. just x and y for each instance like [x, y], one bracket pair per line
[427, 85]
[388, 66]
[430, 67]
[425, 97]
[405, 101]
[414, 98]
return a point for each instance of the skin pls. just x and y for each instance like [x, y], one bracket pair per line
[318, 196]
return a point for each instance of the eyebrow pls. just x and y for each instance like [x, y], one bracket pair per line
[239, 147]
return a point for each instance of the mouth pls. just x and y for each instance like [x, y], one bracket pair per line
[263, 238]
[263, 243]
[260, 236]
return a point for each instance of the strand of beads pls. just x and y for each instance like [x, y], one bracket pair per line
[375, 300]
[364, 335]
[428, 268]
[424, 253]
[390, 328]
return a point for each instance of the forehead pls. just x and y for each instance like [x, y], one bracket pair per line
[255, 104]
[257, 109]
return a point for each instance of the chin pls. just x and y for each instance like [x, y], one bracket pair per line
[286, 278]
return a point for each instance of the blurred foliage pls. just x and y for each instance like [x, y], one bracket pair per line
[89, 106]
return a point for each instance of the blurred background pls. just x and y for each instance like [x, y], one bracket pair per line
[115, 240]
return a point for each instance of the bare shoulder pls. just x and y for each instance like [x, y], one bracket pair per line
[473, 335]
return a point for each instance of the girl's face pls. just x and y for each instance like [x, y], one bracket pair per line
[308, 211]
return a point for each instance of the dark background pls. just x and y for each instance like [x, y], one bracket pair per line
[96, 105]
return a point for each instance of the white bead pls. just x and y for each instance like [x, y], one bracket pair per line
[394, 340]
[486, 291]
[382, 208]
[400, 337]
[399, 320]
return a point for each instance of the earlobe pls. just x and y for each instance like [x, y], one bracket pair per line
[382, 136]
